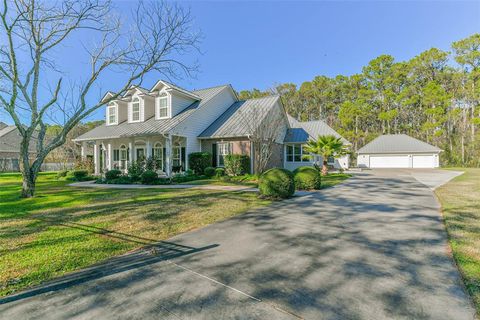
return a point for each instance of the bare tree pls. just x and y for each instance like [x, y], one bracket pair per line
[266, 128]
[33, 31]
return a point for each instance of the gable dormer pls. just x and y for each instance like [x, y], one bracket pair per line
[140, 104]
[170, 100]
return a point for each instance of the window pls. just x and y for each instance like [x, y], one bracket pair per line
[331, 160]
[112, 114]
[116, 155]
[123, 156]
[223, 149]
[136, 110]
[140, 154]
[295, 153]
[158, 155]
[162, 107]
[177, 156]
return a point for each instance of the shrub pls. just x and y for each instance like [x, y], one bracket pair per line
[198, 161]
[112, 174]
[277, 183]
[84, 164]
[189, 172]
[79, 175]
[237, 164]
[209, 171]
[148, 177]
[135, 170]
[120, 180]
[307, 178]
[219, 172]
[62, 174]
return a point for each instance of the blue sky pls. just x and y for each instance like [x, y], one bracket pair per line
[258, 44]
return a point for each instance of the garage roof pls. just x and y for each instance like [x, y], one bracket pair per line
[397, 143]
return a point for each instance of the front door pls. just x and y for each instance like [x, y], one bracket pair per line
[140, 154]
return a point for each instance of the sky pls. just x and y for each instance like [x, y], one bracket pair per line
[254, 44]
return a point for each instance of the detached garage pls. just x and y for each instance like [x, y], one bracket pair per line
[398, 151]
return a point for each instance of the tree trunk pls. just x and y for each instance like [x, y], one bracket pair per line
[324, 167]
[29, 180]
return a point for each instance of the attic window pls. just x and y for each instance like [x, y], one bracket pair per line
[112, 114]
[162, 107]
[136, 110]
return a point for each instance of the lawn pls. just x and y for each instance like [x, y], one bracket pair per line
[460, 199]
[64, 228]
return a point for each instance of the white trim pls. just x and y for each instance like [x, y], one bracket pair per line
[115, 106]
[168, 97]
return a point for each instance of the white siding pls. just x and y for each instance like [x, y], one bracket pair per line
[179, 103]
[199, 120]
[148, 107]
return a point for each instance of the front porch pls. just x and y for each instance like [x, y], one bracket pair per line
[168, 151]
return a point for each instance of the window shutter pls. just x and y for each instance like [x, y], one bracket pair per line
[183, 156]
[214, 154]
[164, 159]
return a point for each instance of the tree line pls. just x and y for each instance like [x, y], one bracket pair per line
[433, 97]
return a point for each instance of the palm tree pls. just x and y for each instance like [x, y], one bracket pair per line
[325, 146]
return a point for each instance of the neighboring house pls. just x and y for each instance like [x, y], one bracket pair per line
[398, 151]
[10, 140]
[168, 123]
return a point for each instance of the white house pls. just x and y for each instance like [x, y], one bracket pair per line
[168, 122]
[398, 151]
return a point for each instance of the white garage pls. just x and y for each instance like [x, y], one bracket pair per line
[398, 151]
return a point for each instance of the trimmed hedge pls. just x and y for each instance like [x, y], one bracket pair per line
[209, 171]
[277, 183]
[199, 161]
[79, 174]
[307, 178]
[237, 164]
[112, 174]
[219, 172]
[148, 177]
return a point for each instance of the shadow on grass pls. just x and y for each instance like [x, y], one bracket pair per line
[156, 252]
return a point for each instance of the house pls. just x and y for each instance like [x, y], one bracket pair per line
[10, 140]
[398, 151]
[168, 123]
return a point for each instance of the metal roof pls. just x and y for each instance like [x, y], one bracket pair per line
[303, 131]
[240, 118]
[397, 143]
[150, 126]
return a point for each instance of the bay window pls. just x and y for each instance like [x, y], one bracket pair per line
[296, 153]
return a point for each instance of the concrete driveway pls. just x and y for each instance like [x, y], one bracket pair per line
[372, 248]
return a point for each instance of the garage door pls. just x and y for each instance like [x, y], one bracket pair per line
[423, 161]
[401, 161]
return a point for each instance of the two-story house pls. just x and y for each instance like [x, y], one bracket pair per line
[168, 122]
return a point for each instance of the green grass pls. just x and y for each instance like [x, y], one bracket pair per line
[460, 199]
[333, 179]
[64, 228]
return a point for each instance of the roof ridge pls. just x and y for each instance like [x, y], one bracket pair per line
[223, 85]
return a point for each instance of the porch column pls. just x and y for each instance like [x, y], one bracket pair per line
[109, 157]
[83, 150]
[96, 158]
[168, 155]
[149, 149]
[130, 153]
[186, 154]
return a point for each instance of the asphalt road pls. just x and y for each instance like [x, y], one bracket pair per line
[372, 248]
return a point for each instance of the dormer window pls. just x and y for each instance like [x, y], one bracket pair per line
[162, 107]
[136, 109]
[112, 116]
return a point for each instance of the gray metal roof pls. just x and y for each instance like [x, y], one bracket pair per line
[150, 126]
[10, 140]
[303, 131]
[233, 122]
[397, 143]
